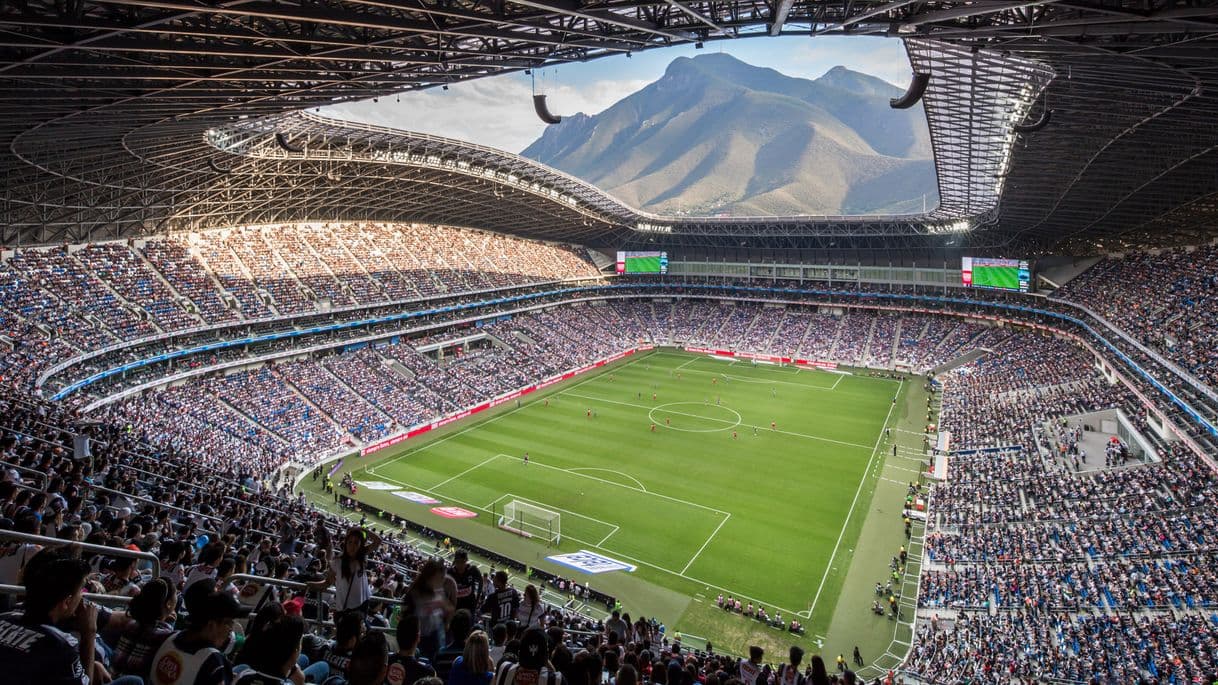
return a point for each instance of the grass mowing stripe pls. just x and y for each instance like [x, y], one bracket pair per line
[874, 451]
[665, 500]
[712, 419]
[432, 443]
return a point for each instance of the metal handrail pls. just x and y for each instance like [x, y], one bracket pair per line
[25, 469]
[297, 585]
[91, 596]
[146, 500]
[103, 550]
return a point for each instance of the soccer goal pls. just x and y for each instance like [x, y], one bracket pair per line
[531, 521]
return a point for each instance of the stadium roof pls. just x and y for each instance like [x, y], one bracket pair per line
[127, 117]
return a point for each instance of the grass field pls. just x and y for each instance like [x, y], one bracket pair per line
[759, 515]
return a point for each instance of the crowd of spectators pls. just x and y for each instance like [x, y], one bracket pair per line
[211, 591]
[56, 303]
[312, 406]
[1035, 569]
[1167, 300]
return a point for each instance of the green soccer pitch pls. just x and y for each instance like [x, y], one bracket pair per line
[714, 500]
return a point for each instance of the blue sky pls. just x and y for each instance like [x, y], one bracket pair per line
[498, 111]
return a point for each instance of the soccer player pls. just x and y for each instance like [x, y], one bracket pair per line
[667, 421]
[733, 435]
[588, 413]
[525, 461]
[653, 397]
[773, 425]
[653, 428]
[754, 430]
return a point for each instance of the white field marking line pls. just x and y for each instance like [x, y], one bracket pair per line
[894, 481]
[902, 468]
[669, 571]
[760, 381]
[628, 487]
[547, 507]
[850, 512]
[429, 492]
[624, 475]
[375, 470]
[652, 418]
[704, 544]
[796, 367]
[746, 425]
[691, 361]
[479, 465]
[616, 553]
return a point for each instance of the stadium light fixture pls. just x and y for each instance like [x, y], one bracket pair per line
[644, 227]
[952, 227]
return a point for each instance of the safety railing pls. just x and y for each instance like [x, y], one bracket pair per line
[103, 550]
[27, 471]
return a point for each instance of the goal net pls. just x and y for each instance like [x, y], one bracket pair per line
[531, 521]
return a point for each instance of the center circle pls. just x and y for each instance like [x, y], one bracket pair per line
[652, 416]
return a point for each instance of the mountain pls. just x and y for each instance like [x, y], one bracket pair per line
[715, 135]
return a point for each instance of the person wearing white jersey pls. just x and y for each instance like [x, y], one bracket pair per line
[750, 669]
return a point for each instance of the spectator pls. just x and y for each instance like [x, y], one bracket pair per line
[275, 660]
[32, 650]
[195, 655]
[152, 612]
[534, 667]
[405, 666]
[474, 666]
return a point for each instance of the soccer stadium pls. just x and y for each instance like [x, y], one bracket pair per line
[742, 379]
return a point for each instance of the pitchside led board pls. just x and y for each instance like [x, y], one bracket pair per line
[642, 262]
[995, 274]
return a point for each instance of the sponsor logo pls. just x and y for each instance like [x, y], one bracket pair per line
[375, 485]
[590, 562]
[168, 668]
[453, 512]
[416, 497]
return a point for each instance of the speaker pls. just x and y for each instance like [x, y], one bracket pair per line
[543, 112]
[1035, 126]
[912, 94]
[283, 143]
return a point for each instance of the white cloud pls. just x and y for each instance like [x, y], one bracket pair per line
[879, 57]
[497, 112]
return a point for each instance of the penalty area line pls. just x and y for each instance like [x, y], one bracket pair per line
[849, 513]
[714, 532]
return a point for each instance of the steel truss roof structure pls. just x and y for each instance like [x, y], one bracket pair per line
[127, 117]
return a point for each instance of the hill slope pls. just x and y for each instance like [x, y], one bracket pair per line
[717, 136]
